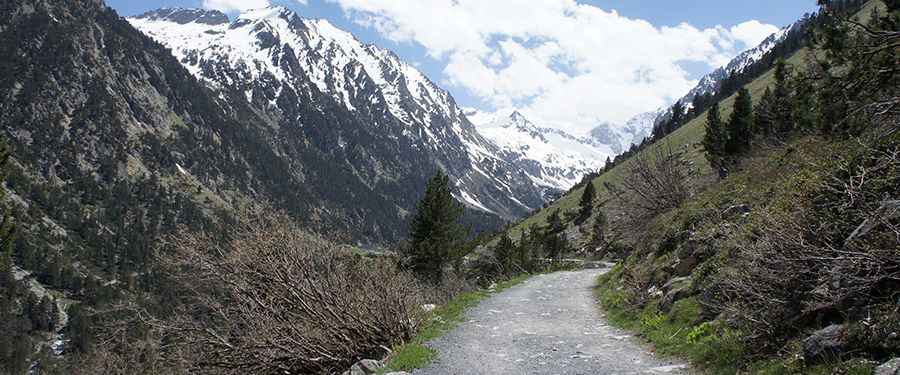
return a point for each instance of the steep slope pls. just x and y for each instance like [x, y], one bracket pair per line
[91, 104]
[376, 115]
[712, 83]
[553, 158]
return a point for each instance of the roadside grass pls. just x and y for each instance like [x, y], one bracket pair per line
[710, 347]
[415, 354]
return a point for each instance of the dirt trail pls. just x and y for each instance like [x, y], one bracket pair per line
[549, 324]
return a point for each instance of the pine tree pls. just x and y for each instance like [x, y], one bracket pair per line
[782, 100]
[586, 205]
[677, 117]
[7, 230]
[598, 236]
[504, 252]
[740, 124]
[435, 229]
[554, 222]
[555, 245]
[763, 121]
[715, 140]
[79, 328]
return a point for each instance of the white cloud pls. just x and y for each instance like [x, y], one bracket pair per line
[752, 32]
[235, 5]
[566, 64]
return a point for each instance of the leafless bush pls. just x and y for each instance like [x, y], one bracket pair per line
[275, 299]
[818, 264]
[653, 183]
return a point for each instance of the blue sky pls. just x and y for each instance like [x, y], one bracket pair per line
[499, 86]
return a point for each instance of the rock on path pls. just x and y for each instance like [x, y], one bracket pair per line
[549, 324]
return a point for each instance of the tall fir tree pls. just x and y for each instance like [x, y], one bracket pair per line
[435, 230]
[763, 121]
[7, 229]
[715, 140]
[554, 222]
[598, 228]
[740, 124]
[505, 253]
[782, 100]
[677, 117]
[586, 205]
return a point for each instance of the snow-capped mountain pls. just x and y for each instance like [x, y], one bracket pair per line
[620, 138]
[553, 158]
[710, 82]
[371, 112]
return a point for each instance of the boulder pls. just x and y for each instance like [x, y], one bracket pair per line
[685, 266]
[676, 289]
[891, 367]
[826, 341]
[397, 373]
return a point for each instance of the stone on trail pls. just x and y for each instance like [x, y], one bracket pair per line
[891, 367]
[827, 341]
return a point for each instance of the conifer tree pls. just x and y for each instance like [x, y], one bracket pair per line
[740, 123]
[554, 222]
[763, 122]
[435, 229]
[7, 282]
[586, 205]
[79, 328]
[782, 101]
[555, 245]
[504, 252]
[598, 236]
[677, 117]
[715, 140]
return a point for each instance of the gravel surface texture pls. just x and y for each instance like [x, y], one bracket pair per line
[550, 324]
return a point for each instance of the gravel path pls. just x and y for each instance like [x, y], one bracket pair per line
[549, 324]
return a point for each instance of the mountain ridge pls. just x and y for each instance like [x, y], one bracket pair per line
[268, 51]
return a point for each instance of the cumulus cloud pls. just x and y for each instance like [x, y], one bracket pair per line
[235, 5]
[567, 64]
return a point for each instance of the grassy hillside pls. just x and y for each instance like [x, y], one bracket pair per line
[688, 136]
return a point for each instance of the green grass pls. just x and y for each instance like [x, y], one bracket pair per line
[710, 347]
[676, 333]
[415, 354]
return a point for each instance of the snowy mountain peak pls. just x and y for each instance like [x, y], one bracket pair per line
[517, 116]
[280, 61]
[556, 158]
[183, 16]
[270, 12]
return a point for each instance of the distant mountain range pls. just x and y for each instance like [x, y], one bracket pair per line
[557, 159]
[394, 124]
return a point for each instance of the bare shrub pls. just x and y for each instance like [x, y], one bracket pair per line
[815, 265]
[654, 183]
[275, 299]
